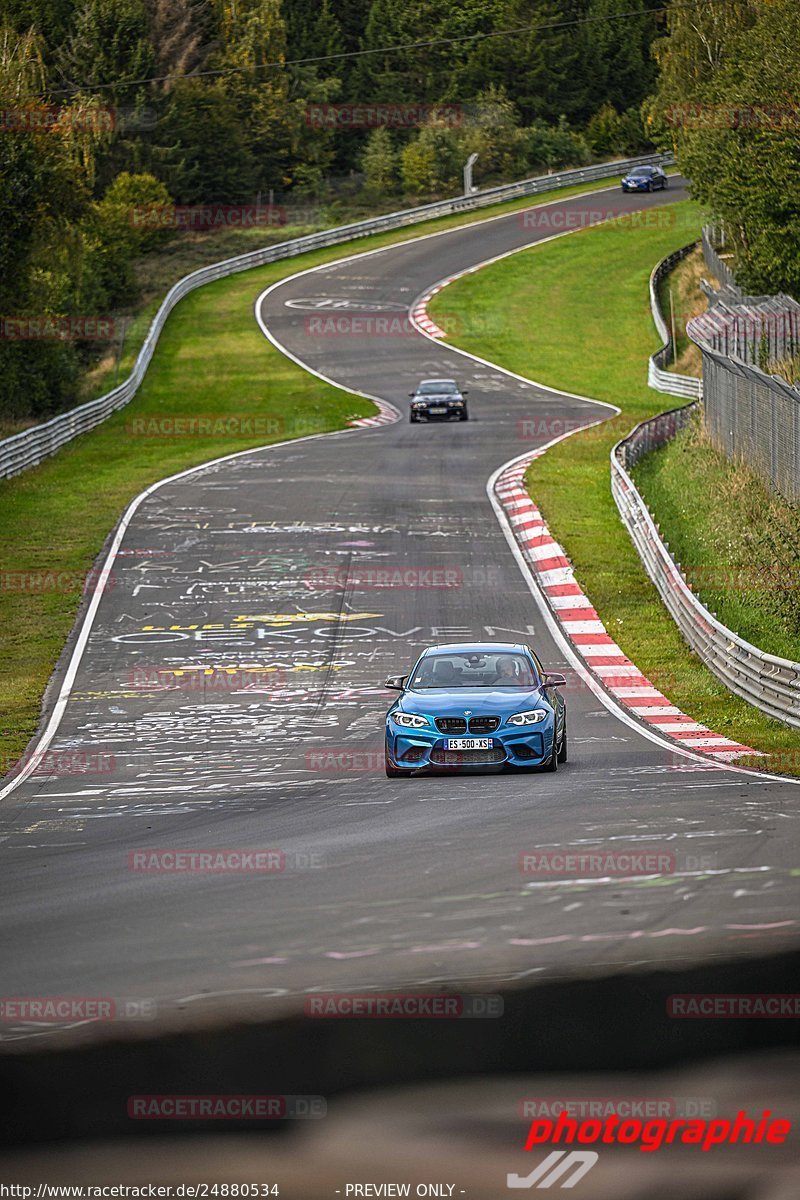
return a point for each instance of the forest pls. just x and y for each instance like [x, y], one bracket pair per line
[111, 110]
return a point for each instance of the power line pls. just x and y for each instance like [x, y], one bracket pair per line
[405, 47]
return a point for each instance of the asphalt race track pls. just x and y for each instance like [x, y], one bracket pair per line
[255, 579]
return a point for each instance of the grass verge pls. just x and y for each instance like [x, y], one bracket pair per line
[211, 359]
[577, 317]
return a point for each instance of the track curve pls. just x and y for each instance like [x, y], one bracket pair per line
[262, 567]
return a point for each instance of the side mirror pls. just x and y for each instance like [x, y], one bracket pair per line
[465, 391]
[412, 395]
[555, 679]
[396, 683]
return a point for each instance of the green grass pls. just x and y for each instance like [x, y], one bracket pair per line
[742, 553]
[576, 316]
[211, 359]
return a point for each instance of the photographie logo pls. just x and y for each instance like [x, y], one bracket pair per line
[649, 1136]
[558, 1164]
[46, 327]
[373, 116]
[403, 1006]
[204, 218]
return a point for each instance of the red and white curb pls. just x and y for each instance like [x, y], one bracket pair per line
[419, 313]
[387, 415]
[587, 633]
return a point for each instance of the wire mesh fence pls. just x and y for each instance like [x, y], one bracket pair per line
[751, 412]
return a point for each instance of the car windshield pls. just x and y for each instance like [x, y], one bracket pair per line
[474, 670]
[435, 387]
[641, 173]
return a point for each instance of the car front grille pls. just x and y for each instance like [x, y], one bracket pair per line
[451, 724]
[460, 758]
[483, 724]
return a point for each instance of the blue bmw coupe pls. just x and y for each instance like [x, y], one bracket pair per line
[476, 704]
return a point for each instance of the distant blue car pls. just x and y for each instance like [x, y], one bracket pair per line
[644, 179]
[476, 704]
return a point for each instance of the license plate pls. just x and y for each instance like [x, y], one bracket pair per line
[469, 743]
[437, 412]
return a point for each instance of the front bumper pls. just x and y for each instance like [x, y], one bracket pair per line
[438, 412]
[636, 187]
[513, 746]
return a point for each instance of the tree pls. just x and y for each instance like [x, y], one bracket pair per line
[181, 32]
[379, 163]
[725, 99]
[209, 158]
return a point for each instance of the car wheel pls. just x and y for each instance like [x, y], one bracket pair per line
[393, 772]
[649, 187]
[413, 418]
[665, 183]
[552, 762]
[562, 753]
[464, 416]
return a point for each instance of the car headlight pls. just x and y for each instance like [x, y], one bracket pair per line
[531, 717]
[410, 720]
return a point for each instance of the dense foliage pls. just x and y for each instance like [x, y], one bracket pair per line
[147, 103]
[726, 100]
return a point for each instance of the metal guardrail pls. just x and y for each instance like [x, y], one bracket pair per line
[770, 684]
[31, 446]
[658, 378]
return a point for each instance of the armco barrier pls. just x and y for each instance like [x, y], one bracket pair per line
[29, 447]
[769, 683]
[657, 378]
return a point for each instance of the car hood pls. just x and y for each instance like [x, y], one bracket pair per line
[441, 702]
